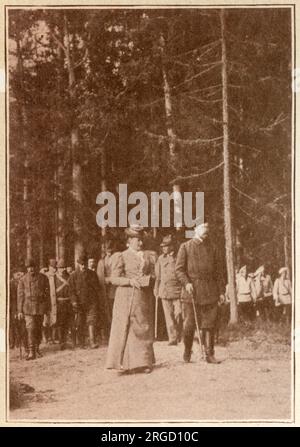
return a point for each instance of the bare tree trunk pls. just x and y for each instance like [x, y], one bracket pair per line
[103, 183]
[42, 242]
[77, 175]
[23, 130]
[227, 192]
[61, 215]
[60, 209]
[286, 242]
[169, 117]
[238, 249]
[29, 248]
[168, 103]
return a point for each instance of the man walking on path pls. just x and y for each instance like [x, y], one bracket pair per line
[85, 296]
[199, 273]
[33, 304]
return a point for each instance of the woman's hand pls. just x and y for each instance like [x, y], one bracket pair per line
[134, 283]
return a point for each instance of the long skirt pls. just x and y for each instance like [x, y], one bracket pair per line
[132, 330]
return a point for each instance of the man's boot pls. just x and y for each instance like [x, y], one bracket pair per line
[38, 352]
[93, 345]
[188, 343]
[24, 341]
[210, 347]
[73, 337]
[62, 338]
[81, 338]
[47, 334]
[31, 345]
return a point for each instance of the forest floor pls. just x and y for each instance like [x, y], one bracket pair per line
[253, 382]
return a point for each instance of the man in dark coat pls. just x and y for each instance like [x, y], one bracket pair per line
[108, 291]
[17, 329]
[64, 307]
[198, 271]
[33, 304]
[84, 293]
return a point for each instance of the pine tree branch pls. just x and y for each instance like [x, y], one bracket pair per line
[59, 43]
[246, 146]
[194, 50]
[216, 64]
[207, 51]
[275, 123]
[183, 141]
[203, 100]
[232, 37]
[279, 198]
[255, 219]
[78, 64]
[192, 176]
[149, 104]
[210, 87]
[244, 194]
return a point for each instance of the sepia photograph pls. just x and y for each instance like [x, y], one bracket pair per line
[150, 214]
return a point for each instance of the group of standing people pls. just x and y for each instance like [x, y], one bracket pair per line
[188, 284]
[117, 299]
[53, 303]
[258, 296]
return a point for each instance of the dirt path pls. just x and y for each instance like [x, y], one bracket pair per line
[252, 383]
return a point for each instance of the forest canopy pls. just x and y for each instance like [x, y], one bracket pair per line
[99, 97]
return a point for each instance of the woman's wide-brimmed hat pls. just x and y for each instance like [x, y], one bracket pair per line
[135, 231]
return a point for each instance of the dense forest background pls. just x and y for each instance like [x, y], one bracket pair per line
[160, 99]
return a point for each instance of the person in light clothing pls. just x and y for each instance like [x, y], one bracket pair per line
[282, 294]
[246, 294]
[264, 293]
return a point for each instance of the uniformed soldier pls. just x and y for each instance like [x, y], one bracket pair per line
[84, 293]
[282, 294]
[64, 306]
[17, 329]
[33, 304]
[168, 288]
[264, 293]
[246, 294]
[198, 271]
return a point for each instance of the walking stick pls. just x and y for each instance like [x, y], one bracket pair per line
[197, 329]
[20, 346]
[156, 318]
